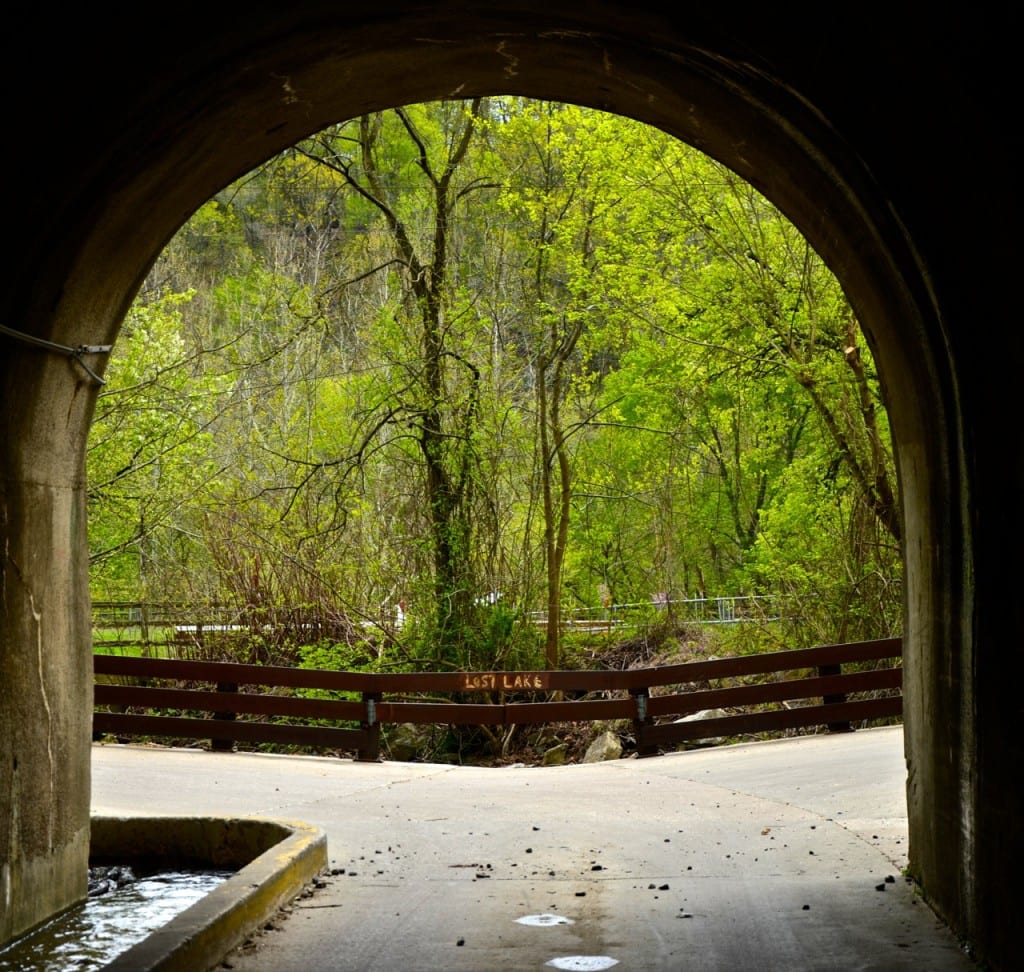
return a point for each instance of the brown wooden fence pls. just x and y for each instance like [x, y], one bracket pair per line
[227, 702]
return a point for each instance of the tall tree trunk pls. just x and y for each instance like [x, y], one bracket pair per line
[556, 476]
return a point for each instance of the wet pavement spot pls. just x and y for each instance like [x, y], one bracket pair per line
[544, 921]
[583, 963]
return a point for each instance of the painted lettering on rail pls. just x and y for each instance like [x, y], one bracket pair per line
[505, 681]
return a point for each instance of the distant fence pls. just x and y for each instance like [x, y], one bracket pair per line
[123, 623]
[630, 618]
[139, 623]
[227, 702]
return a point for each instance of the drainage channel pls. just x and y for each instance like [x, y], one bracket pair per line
[122, 911]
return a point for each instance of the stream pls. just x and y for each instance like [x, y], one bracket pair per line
[122, 909]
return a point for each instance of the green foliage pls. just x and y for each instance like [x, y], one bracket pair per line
[149, 454]
[334, 656]
[503, 345]
[493, 637]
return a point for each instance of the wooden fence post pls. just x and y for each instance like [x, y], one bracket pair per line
[224, 745]
[372, 729]
[824, 670]
[642, 719]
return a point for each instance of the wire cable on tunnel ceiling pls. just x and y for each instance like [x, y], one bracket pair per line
[75, 353]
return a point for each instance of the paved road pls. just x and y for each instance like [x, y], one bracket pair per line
[778, 855]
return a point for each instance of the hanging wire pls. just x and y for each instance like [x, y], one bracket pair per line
[74, 353]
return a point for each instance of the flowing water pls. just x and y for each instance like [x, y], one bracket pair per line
[121, 912]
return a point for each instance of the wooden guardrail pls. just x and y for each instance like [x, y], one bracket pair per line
[797, 689]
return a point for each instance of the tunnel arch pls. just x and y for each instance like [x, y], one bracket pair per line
[236, 109]
[230, 96]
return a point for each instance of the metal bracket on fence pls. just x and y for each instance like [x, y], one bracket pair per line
[371, 712]
[641, 706]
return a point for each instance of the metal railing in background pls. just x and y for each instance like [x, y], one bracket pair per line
[125, 623]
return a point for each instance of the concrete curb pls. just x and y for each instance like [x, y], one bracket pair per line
[275, 860]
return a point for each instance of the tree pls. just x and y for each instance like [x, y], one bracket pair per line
[148, 456]
[440, 396]
[500, 345]
[768, 368]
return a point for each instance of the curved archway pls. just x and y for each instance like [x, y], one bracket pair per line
[160, 129]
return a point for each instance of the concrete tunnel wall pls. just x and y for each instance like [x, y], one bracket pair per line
[883, 145]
